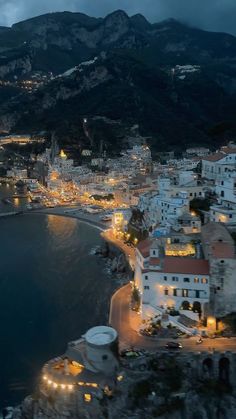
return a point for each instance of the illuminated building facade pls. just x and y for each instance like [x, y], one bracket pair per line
[171, 275]
[85, 373]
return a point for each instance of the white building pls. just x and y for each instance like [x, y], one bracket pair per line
[197, 151]
[169, 275]
[225, 210]
[217, 165]
[17, 173]
[163, 208]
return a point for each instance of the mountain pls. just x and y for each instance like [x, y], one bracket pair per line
[177, 83]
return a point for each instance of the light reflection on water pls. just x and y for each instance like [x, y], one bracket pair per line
[51, 291]
[61, 226]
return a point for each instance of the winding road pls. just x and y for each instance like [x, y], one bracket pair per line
[122, 319]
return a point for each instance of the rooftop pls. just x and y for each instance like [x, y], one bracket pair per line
[186, 266]
[144, 247]
[215, 157]
[217, 241]
[101, 335]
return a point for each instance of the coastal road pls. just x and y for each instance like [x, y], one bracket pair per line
[127, 250]
[125, 321]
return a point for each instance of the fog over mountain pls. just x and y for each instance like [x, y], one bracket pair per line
[215, 15]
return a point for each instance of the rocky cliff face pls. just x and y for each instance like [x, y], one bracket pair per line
[124, 69]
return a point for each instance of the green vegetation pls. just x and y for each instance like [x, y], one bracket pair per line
[230, 321]
[136, 226]
[108, 197]
[136, 299]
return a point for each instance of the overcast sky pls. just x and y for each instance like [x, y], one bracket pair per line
[218, 15]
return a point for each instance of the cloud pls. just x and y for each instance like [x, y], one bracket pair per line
[217, 15]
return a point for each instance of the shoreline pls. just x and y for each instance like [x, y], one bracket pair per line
[93, 223]
[99, 228]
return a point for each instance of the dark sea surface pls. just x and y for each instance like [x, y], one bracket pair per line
[52, 289]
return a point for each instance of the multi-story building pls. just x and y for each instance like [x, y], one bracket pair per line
[216, 166]
[219, 250]
[225, 210]
[163, 208]
[170, 273]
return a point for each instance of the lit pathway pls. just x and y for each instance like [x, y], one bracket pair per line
[128, 250]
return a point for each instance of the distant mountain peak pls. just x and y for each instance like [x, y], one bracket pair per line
[140, 20]
[117, 13]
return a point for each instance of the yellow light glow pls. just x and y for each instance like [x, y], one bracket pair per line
[211, 324]
[222, 218]
[49, 382]
[63, 154]
[45, 377]
[180, 249]
[55, 385]
[70, 387]
[120, 378]
[63, 386]
[87, 397]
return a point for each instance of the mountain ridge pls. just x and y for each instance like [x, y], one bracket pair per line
[146, 74]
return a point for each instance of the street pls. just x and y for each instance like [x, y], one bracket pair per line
[121, 317]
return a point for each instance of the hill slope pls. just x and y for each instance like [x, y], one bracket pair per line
[176, 82]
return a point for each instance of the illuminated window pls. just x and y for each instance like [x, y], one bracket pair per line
[196, 280]
[166, 291]
[204, 281]
[87, 397]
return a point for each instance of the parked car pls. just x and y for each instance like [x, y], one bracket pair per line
[173, 345]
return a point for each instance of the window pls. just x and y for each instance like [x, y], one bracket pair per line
[87, 397]
[200, 194]
[222, 182]
[165, 278]
[191, 194]
[196, 280]
[186, 280]
[230, 215]
[166, 292]
[197, 294]
[204, 281]
[154, 252]
[175, 292]
[146, 277]
[146, 287]
[222, 282]
[175, 278]
[222, 193]
[185, 293]
[222, 261]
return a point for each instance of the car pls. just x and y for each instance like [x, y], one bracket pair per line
[173, 345]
